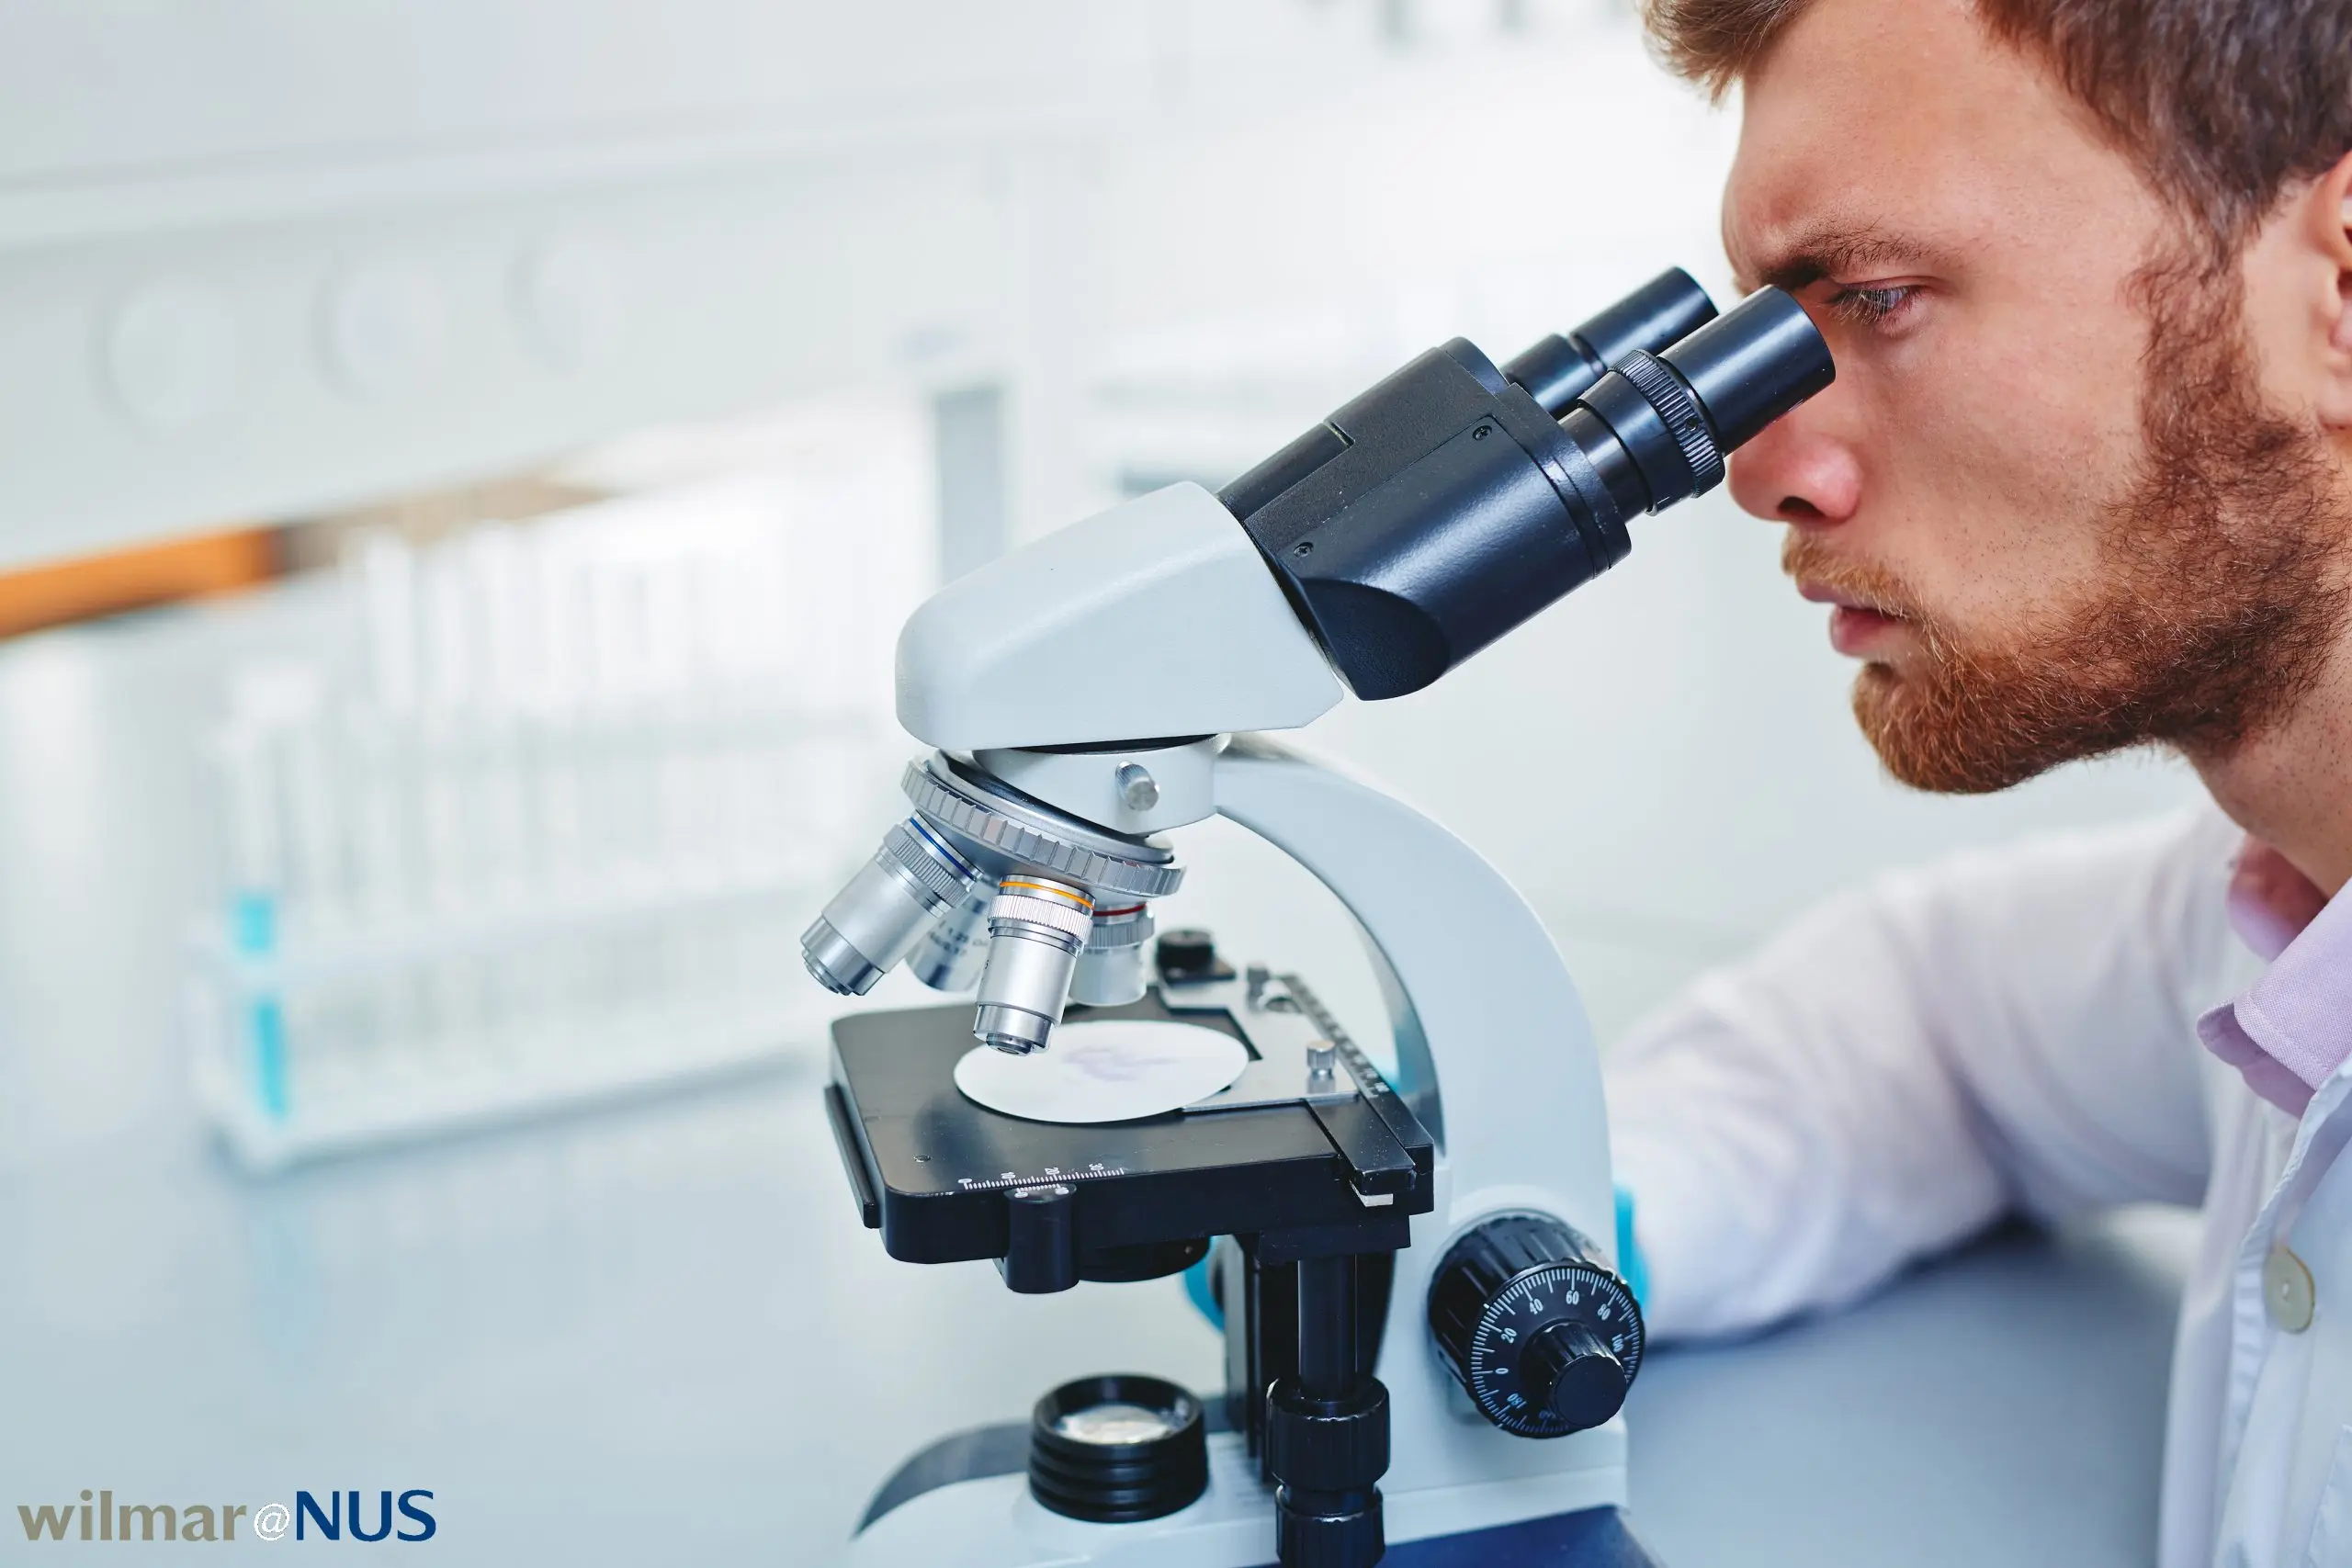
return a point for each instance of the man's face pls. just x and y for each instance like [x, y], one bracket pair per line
[2046, 495]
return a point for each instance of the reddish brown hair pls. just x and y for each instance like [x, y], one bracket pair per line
[2223, 104]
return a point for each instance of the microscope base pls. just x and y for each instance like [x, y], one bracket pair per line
[965, 1503]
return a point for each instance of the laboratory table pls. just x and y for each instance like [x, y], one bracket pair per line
[656, 1332]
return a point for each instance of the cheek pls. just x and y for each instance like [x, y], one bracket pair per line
[2293, 306]
[1991, 475]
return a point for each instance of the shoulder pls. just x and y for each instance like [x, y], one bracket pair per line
[2142, 902]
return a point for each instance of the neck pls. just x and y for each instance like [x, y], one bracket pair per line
[2290, 784]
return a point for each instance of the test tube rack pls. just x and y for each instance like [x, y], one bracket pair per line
[546, 832]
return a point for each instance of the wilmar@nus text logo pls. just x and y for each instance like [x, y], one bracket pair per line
[332, 1515]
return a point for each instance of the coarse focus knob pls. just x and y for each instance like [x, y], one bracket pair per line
[1543, 1338]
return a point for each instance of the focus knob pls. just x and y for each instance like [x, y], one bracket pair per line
[1571, 1372]
[1543, 1336]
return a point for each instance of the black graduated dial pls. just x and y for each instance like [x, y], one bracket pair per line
[1543, 1338]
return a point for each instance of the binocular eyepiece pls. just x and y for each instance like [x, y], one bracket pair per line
[1417, 524]
[1744, 369]
[1457, 498]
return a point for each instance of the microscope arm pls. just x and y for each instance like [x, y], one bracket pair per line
[1469, 974]
[1495, 1059]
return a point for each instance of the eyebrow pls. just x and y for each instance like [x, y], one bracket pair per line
[1828, 251]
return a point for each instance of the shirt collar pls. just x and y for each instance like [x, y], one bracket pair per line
[2292, 1029]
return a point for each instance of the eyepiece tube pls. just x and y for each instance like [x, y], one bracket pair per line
[1751, 366]
[1669, 419]
[1665, 310]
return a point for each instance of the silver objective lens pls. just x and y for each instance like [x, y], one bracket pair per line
[872, 923]
[1036, 929]
[952, 952]
[1112, 967]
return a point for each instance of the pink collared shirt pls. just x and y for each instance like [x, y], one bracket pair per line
[2289, 1031]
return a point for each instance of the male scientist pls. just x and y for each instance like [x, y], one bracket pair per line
[2083, 483]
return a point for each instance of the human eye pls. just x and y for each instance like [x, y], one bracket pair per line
[1871, 305]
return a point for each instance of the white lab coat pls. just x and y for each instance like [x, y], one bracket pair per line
[2015, 1030]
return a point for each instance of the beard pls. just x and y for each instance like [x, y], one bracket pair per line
[2219, 598]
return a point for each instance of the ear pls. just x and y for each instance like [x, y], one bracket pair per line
[2327, 230]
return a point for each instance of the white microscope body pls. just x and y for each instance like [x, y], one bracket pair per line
[1491, 1043]
[1113, 683]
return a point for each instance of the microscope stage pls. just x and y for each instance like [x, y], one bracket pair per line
[934, 1171]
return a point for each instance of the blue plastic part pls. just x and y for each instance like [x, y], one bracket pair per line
[1631, 1268]
[253, 931]
[1196, 1286]
[253, 923]
[269, 1058]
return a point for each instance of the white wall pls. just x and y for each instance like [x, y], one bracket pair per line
[258, 260]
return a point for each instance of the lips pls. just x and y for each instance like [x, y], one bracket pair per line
[1869, 616]
[1823, 593]
[1858, 633]
[1860, 627]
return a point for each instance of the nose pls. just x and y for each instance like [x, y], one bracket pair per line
[1798, 470]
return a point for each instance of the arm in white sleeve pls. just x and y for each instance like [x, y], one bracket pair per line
[2012, 1030]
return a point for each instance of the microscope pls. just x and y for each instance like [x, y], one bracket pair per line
[1427, 1340]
